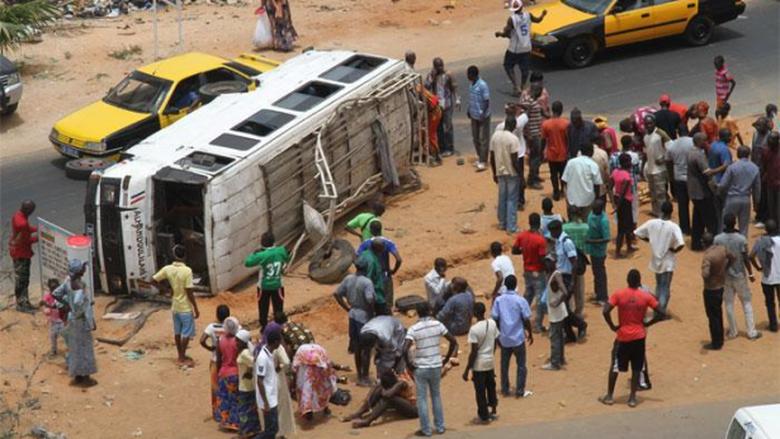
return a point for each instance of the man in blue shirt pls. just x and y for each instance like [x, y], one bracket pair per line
[719, 156]
[458, 310]
[384, 259]
[513, 316]
[479, 114]
[566, 261]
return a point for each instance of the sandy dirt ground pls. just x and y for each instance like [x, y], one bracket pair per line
[452, 216]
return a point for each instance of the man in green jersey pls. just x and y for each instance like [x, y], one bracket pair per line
[272, 261]
[359, 225]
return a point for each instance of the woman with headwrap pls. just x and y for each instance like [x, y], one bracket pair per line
[315, 379]
[227, 375]
[284, 34]
[81, 323]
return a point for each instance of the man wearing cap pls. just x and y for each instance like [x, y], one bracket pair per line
[518, 30]
[23, 236]
[669, 120]
[706, 124]
[183, 305]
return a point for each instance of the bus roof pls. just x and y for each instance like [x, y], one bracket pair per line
[235, 126]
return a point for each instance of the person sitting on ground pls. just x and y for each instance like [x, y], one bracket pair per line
[395, 391]
[384, 258]
[457, 311]
[359, 225]
[356, 295]
[212, 332]
[387, 334]
[502, 267]
[436, 285]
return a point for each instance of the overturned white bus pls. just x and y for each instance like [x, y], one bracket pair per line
[244, 164]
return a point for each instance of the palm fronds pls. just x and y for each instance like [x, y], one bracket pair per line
[19, 22]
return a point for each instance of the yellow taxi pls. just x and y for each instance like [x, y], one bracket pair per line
[147, 100]
[575, 30]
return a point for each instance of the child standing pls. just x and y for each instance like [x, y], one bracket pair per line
[248, 418]
[55, 314]
[212, 332]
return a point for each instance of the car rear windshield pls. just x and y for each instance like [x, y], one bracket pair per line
[264, 122]
[138, 92]
[308, 96]
[353, 69]
[595, 7]
[249, 71]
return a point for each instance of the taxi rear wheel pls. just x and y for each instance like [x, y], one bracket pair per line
[699, 31]
[579, 52]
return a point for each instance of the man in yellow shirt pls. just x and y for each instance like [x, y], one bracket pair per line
[183, 305]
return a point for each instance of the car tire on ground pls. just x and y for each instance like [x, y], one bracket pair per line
[81, 169]
[699, 31]
[329, 266]
[210, 91]
[579, 52]
[9, 110]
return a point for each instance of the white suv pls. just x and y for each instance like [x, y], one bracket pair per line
[10, 86]
[756, 422]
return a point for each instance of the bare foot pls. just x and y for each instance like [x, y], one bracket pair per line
[606, 400]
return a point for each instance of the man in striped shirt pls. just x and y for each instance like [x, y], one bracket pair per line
[724, 82]
[427, 365]
[533, 134]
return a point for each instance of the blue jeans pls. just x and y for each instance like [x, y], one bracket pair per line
[270, 423]
[506, 356]
[663, 285]
[425, 379]
[535, 283]
[508, 187]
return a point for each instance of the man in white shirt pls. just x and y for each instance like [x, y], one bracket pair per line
[518, 30]
[482, 338]
[267, 384]
[677, 156]
[601, 158]
[655, 168]
[436, 284]
[502, 267]
[582, 181]
[521, 119]
[666, 239]
[504, 147]
[556, 294]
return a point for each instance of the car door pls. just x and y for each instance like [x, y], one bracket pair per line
[628, 21]
[182, 100]
[670, 17]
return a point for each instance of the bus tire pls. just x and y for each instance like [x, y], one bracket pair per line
[81, 169]
[329, 267]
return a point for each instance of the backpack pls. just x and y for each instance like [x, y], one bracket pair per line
[582, 261]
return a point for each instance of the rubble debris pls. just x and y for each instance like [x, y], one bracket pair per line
[39, 432]
[115, 8]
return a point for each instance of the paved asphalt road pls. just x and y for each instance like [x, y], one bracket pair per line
[701, 421]
[619, 81]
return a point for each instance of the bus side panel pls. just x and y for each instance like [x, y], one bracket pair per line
[238, 220]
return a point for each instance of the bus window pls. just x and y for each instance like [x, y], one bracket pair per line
[308, 96]
[353, 69]
[263, 123]
[234, 142]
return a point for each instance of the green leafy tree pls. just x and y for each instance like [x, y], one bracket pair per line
[20, 21]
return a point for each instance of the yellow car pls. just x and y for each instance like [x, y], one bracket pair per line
[147, 100]
[575, 30]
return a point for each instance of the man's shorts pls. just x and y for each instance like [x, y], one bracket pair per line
[624, 353]
[184, 324]
[354, 334]
[523, 60]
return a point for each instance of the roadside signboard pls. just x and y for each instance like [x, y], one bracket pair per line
[52, 252]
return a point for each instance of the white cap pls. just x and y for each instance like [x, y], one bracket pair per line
[516, 5]
[244, 335]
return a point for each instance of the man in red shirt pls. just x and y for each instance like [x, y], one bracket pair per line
[632, 304]
[20, 248]
[554, 134]
[771, 175]
[532, 245]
